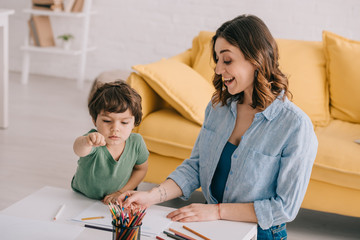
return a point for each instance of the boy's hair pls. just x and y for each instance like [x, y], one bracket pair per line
[115, 97]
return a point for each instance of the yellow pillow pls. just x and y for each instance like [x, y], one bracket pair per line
[343, 72]
[178, 84]
[304, 64]
[201, 55]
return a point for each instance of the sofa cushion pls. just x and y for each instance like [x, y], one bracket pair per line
[343, 72]
[179, 85]
[338, 158]
[201, 55]
[304, 64]
[169, 134]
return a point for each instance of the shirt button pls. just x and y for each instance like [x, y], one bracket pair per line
[230, 172]
[235, 156]
[226, 188]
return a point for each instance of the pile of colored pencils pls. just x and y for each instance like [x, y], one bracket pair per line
[126, 222]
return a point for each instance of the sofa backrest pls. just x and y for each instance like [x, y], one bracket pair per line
[302, 61]
[200, 57]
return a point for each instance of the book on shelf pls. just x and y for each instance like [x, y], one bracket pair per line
[33, 36]
[49, 5]
[41, 31]
[68, 5]
[78, 6]
[42, 4]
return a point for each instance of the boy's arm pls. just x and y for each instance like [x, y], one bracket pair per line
[83, 144]
[137, 175]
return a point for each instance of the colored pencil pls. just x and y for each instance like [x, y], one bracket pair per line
[196, 233]
[126, 222]
[91, 218]
[181, 234]
[59, 211]
[159, 238]
[173, 236]
[99, 228]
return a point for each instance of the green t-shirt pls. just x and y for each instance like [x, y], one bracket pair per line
[98, 174]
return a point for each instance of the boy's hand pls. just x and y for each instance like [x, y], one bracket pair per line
[95, 139]
[113, 197]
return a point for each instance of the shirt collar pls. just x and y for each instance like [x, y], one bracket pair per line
[270, 112]
[274, 108]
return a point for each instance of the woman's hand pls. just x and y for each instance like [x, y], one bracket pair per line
[195, 212]
[144, 199]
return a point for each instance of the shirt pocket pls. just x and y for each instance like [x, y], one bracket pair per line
[261, 170]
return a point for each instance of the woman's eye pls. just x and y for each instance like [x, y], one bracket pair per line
[106, 121]
[125, 123]
[227, 62]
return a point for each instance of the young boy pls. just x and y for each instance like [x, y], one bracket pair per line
[112, 158]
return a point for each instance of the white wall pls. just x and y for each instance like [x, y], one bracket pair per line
[129, 32]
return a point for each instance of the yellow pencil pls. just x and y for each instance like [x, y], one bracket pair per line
[91, 218]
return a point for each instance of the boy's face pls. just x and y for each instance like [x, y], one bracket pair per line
[115, 127]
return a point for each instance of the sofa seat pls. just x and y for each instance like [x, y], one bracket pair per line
[163, 138]
[333, 166]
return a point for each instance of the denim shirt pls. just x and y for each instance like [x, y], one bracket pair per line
[271, 167]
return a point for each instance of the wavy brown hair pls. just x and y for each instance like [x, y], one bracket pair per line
[115, 97]
[250, 34]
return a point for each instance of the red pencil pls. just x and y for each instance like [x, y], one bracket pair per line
[160, 238]
[181, 234]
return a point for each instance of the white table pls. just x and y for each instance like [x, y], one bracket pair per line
[4, 66]
[41, 206]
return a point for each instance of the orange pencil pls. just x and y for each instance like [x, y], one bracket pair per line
[196, 233]
[91, 218]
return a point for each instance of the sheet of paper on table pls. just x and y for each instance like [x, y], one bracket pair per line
[154, 222]
[14, 228]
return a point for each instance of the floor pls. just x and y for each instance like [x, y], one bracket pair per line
[36, 150]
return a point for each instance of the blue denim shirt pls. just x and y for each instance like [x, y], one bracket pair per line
[271, 167]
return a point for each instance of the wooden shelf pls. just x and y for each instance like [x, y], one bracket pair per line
[58, 14]
[55, 50]
[82, 50]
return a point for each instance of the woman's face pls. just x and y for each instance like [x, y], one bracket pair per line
[237, 72]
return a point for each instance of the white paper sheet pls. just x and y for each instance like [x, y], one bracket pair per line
[15, 228]
[154, 222]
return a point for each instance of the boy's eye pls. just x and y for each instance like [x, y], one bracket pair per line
[125, 123]
[106, 121]
[227, 62]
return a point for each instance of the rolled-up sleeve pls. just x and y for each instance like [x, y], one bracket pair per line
[296, 163]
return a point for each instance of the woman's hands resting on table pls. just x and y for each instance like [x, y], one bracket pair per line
[195, 212]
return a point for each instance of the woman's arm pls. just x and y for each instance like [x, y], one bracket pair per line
[243, 212]
[165, 191]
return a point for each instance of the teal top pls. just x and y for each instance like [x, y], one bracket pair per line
[98, 174]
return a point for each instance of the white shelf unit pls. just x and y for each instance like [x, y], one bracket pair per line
[83, 16]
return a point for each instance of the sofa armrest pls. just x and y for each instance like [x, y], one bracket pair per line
[151, 101]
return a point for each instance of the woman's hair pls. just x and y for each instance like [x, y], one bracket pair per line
[250, 34]
[115, 97]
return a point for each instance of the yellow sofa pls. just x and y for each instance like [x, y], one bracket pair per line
[324, 78]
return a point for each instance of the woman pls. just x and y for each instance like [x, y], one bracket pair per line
[254, 154]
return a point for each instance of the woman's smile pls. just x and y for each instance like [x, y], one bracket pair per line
[228, 81]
